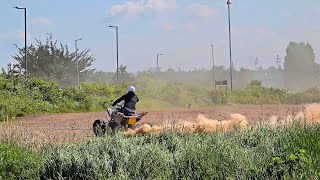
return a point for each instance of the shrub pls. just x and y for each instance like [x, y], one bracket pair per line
[311, 95]
[259, 95]
[18, 163]
[263, 153]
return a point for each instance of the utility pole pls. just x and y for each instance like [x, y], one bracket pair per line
[230, 51]
[278, 61]
[25, 39]
[158, 61]
[117, 41]
[256, 62]
[212, 56]
[77, 60]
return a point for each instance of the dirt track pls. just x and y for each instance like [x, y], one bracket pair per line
[73, 126]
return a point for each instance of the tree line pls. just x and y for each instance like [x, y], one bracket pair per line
[52, 60]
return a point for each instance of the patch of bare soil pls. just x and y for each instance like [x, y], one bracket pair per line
[70, 127]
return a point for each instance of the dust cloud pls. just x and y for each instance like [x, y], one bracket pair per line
[202, 124]
[310, 115]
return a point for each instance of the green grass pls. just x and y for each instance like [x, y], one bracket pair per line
[18, 163]
[261, 153]
[20, 97]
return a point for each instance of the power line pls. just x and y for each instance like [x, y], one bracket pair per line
[256, 62]
[278, 61]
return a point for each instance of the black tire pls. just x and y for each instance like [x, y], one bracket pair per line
[99, 128]
[113, 125]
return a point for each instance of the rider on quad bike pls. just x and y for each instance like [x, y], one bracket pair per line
[120, 116]
[130, 99]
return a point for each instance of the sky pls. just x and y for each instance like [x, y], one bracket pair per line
[182, 30]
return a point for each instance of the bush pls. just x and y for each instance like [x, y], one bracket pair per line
[20, 97]
[263, 153]
[307, 96]
[18, 163]
[259, 95]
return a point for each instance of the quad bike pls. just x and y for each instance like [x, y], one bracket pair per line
[116, 120]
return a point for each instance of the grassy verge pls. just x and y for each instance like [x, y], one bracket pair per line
[260, 153]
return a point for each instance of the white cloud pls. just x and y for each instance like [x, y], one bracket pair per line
[199, 10]
[41, 21]
[128, 8]
[161, 5]
[136, 8]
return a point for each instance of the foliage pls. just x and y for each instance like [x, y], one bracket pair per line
[159, 94]
[300, 66]
[100, 77]
[51, 62]
[124, 76]
[13, 70]
[18, 163]
[20, 97]
[263, 153]
[255, 83]
[259, 95]
[311, 95]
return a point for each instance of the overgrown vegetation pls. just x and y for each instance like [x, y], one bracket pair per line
[18, 163]
[263, 153]
[20, 97]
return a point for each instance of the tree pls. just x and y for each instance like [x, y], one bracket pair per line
[124, 76]
[300, 66]
[13, 70]
[101, 77]
[255, 83]
[49, 61]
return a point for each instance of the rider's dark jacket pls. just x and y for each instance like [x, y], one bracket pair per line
[130, 99]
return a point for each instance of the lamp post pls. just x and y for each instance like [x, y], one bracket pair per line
[230, 52]
[212, 65]
[117, 52]
[25, 38]
[77, 60]
[158, 61]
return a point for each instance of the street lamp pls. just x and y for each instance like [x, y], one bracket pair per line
[212, 65]
[77, 60]
[25, 38]
[228, 2]
[158, 60]
[117, 52]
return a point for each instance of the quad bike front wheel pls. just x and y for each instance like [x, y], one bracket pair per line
[99, 127]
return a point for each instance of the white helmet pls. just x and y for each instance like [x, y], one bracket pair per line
[131, 89]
